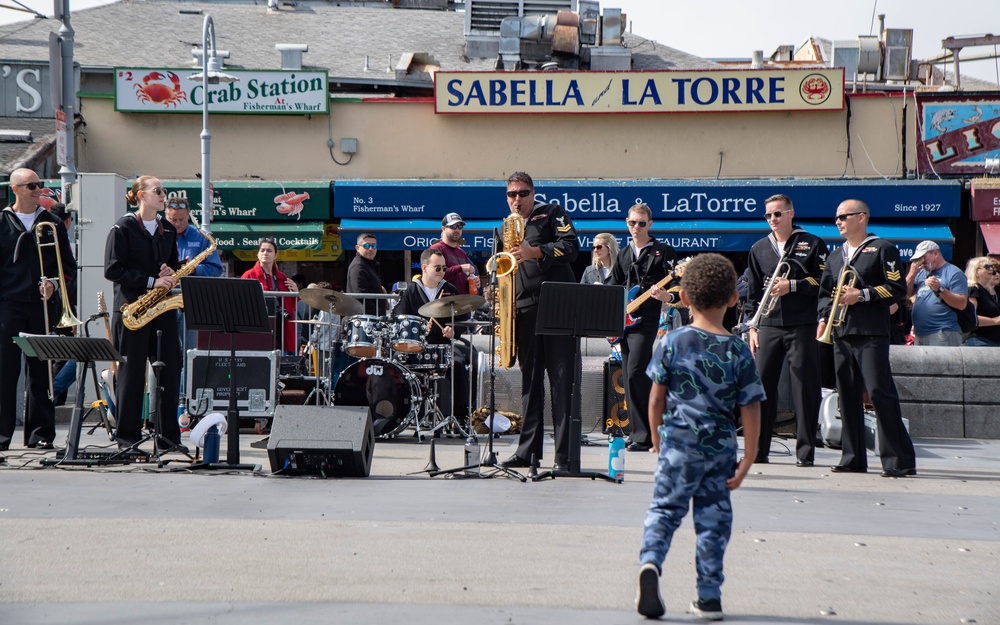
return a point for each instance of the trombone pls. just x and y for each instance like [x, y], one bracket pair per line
[848, 277]
[68, 319]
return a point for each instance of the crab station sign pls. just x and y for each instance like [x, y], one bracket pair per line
[640, 92]
[159, 90]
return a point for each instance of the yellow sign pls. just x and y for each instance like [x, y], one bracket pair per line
[330, 250]
[708, 91]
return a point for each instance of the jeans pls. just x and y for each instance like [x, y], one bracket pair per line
[978, 341]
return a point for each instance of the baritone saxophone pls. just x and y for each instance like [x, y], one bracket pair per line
[504, 307]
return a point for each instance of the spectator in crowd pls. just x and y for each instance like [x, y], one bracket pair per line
[982, 276]
[462, 272]
[941, 290]
[363, 274]
[603, 259]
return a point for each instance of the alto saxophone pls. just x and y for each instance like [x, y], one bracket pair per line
[504, 307]
[155, 301]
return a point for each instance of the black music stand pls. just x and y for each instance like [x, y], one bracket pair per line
[81, 349]
[579, 310]
[233, 306]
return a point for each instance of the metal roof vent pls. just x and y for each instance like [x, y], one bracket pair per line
[15, 136]
[291, 54]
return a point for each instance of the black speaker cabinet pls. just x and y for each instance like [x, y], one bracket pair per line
[332, 441]
[615, 413]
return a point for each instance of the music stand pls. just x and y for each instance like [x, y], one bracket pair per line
[87, 350]
[232, 306]
[579, 310]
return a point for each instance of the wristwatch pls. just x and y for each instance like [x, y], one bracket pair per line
[863, 295]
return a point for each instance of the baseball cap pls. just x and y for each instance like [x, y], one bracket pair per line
[923, 248]
[452, 219]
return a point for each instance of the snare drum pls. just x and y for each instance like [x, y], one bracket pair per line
[408, 333]
[361, 335]
[434, 357]
[388, 389]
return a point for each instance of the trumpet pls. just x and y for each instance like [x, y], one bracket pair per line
[848, 277]
[67, 319]
[768, 301]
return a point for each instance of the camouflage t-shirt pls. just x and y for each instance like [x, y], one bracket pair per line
[707, 376]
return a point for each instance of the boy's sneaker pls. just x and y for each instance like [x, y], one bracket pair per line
[648, 600]
[708, 609]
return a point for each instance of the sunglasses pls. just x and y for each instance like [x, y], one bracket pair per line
[177, 205]
[455, 227]
[370, 246]
[641, 224]
[768, 216]
[158, 191]
[598, 247]
[438, 268]
[844, 216]
[521, 193]
[31, 186]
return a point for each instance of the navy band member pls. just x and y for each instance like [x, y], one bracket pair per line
[549, 247]
[861, 343]
[788, 333]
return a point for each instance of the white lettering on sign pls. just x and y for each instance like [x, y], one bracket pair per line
[701, 202]
[29, 90]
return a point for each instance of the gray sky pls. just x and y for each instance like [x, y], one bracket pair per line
[745, 26]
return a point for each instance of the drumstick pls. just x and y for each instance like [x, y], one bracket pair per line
[438, 324]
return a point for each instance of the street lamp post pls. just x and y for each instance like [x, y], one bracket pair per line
[211, 74]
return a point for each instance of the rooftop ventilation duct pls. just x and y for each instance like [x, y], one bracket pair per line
[291, 54]
[15, 136]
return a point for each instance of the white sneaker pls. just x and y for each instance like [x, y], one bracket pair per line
[648, 600]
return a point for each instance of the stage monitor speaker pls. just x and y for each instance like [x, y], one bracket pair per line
[615, 413]
[332, 441]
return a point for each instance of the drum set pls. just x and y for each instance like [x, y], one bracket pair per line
[384, 362]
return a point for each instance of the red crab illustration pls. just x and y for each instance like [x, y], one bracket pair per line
[160, 89]
[815, 89]
[291, 203]
[49, 198]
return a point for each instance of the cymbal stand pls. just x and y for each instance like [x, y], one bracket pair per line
[324, 364]
[451, 419]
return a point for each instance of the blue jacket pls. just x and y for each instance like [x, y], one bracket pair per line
[192, 243]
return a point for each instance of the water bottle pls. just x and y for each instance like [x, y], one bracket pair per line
[211, 444]
[472, 457]
[616, 458]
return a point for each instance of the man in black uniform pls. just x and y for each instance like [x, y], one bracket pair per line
[861, 342]
[21, 308]
[549, 247]
[640, 266]
[788, 332]
[432, 286]
[363, 273]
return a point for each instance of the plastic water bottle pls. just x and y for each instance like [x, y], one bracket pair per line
[472, 457]
[616, 458]
[212, 445]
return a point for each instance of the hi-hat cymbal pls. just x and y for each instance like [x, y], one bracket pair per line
[325, 299]
[457, 304]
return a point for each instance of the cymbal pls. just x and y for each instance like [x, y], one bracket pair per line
[324, 299]
[459, 304]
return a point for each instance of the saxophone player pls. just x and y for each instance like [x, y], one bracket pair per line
[861, 341]
[788, 332]
[545, 254]
[141, 254]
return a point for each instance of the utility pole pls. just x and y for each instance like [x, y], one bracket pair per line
[64, 96]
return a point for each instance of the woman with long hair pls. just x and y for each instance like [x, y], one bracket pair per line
[141, 254]
[982, 274]
[604, 255]
[271, 278]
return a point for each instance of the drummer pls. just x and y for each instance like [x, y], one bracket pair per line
[431, 286]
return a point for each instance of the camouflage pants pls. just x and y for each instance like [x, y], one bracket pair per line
[683, 476]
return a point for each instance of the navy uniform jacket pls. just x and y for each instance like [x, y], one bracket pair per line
[549, 228]
[132, 257]
[880, 275]
[19, 276]
[654, 263]
[806, 254]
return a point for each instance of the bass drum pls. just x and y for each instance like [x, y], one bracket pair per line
[829, 418]
[391, 393]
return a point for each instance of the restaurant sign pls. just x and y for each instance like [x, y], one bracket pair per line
[290, 201]
[273, 92]
[705, 91]
[957, 135]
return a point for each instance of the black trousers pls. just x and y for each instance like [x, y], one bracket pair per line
[863, 361]
[637, 351]
[138, 347]
[538, 355]
[798, 346]
[39, 413]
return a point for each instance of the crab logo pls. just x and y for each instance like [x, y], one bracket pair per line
[160, 88]
[815, 89]
[291, 203]
[49, 198]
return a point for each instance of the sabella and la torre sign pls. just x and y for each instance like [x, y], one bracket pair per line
[705, 91]
[171, 90]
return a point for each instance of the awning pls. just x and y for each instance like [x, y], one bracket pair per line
[718, 235]
[991, 234]
[307, 235]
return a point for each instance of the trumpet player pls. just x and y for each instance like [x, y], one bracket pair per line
[786, 326]
[857, 302]
[24, 295]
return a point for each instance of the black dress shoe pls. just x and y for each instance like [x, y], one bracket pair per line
[898, 472]
[515, 461]
[163, 444]
[4, 446]
[804, 463]
[42, 444]
[637, 446]
[846, 468]
[763, 460]
[560, 467]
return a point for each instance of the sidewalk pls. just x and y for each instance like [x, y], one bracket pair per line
[136, 543]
